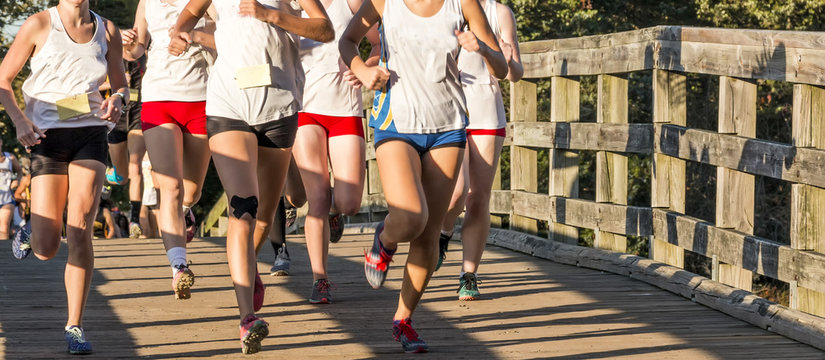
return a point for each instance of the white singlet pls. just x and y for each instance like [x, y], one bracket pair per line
[485, 106]
[168, 77]
[326, 92]
[6, 177]
[423, 95]
[63, 68]
[246, 43]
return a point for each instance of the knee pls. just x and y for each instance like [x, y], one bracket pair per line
[349, 204]
[478, 200]
[409, 225]
[319, 203]
[244, 208]
[44, 250]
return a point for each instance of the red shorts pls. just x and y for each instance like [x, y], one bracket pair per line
[189, 116]
[333, 125]
[497, 132]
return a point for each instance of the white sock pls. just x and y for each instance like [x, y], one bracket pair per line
[177, 257]
[461, 274]
[449, 234]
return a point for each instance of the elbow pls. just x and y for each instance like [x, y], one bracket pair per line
[328, 33]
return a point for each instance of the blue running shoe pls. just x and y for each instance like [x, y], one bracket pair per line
[377, 261]
[76, 341]
[20, 246]
[403, 332]
[112, 177]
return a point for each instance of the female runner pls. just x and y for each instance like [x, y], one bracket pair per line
[9, 173]
[419, 117]
[485, 136]
[173, 120]
[330, 131]
[72, 51]
[252, 115]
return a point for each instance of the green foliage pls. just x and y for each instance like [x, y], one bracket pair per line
[763, 14]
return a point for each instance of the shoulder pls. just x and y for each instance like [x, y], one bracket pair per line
[505, 14]
[35, 24]
[112, 31]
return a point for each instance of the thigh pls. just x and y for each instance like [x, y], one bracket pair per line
[399, 167]
[196, 157]
[346, 155]
[48, 200]
[85, 185]
[235, 154]
[164, 143]
[310, 153]
[483, 154]
[272, 168]
[439, 171]
[137, 147]
[6, 213]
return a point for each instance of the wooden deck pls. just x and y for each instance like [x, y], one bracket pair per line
[531, 309]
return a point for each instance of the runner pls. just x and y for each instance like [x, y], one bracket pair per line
[173, 120]
[419, 117]
[285, 215]
[330, 131]
[9, 173]
[126, 146]
[485, 136]
[252, 108]
[72, 50]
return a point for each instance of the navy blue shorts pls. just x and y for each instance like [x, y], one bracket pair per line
[422, 143]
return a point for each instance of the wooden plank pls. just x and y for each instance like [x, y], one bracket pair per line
[564, 165]
[753, 156]
[501, 202]
[617, 219]
[807, 217]
[752, 253]
[811, 301]
[523, 161]
[611, 168]
[218, 210]
[623, 138]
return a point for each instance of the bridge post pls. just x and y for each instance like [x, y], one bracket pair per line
[611, 168]
[564, 164]
[523, 161]
[735, 190]
[668, 185]
[807, 201]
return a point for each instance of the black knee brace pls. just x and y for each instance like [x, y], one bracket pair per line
[244, 205]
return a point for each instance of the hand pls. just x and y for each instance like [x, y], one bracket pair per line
[111, 108]
[507, 49]
[179, 42]
[129, 39]
[28, 134]
[252, 8]
[353, 81]
[468, 41]
[374, 77]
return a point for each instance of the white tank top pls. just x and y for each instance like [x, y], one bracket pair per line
[168, 77]
[471, 64]
[326, 92]
[6, 174]
[244, 43]
[63, 68]
[424, 94]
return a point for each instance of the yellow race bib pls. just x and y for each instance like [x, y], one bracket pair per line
[253, 76]
[73, 106]
[134, 94]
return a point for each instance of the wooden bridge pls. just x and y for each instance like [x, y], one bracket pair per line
[546, 296]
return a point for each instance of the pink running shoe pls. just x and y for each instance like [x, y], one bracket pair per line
[182, 282]
[253, 331]
[191, 225]
[258, 296]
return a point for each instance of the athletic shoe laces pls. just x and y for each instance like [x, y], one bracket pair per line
[404, 327]
[470, 282]
[381, 262]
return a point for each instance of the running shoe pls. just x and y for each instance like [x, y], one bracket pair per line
[336, 227]
[135, 231]
[259, 292]
[253, 331]
[377, 261]
[182, 282]
[191, 225]
[281, 266]
[112, 177]
[76, 341]
[291, 213]
[20, 245]
[320, 292]
[443, 242]
[403, 332]
[468, 287]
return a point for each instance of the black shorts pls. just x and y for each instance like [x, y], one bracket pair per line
[62, 146]
[128, 122]
[279, 134]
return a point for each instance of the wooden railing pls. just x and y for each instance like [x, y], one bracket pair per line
[739, 58]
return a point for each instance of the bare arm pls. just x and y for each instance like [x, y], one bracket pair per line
[136, 38]
[17, 171]
[317, 27]
[117, 76]
[188, 19]
[509, 43]
[480, 38]
[110, 223]
[372, 76]
[21, 49]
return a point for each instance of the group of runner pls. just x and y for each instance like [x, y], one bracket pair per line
[241, 82]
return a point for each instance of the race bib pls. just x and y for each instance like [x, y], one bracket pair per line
[134, 94]
[73, 106]
[253, 76]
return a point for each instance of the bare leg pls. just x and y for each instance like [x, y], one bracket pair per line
[235, 154]
[311, 156]
[272, 167]
[6, 216]
[136, 150]
[484, 153]
[195, 163]
[462, 186]
[400, 169]
[85, 183]
[439, 169]
[164, 144]
[346, 155]
[119, 154]
[294, 191]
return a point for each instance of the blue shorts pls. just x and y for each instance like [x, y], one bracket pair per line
[422, 143]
